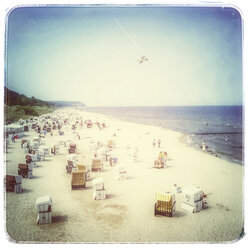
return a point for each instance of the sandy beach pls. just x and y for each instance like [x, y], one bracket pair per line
[127, 213]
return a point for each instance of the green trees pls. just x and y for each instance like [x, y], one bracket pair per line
[13, 98]
[29, 110]
[18, 106]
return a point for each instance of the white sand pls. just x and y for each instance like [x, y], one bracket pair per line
[127, 215]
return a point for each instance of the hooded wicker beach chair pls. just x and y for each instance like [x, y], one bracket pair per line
[165, 205]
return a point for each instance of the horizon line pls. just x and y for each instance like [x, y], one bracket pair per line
[120, 106]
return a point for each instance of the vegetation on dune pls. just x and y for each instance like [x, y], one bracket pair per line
[17, 112]
[13, 98]
[18, 106]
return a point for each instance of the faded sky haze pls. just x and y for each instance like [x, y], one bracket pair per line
[90, 54]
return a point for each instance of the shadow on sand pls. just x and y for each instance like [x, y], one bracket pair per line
[10, 148]
[108, 196]
[179, 214]
[35, 177]
[24, 191]
[130, 178]
[59, 218]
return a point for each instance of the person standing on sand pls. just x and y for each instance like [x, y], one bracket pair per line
[159, 142]
[13, 138]
[154, 143]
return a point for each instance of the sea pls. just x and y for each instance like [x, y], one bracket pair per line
[221, 127]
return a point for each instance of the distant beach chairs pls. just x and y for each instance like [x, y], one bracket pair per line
[160, 162]
[25, 170]
[121, 173]
[96, 165]
[13, 183]
[99, 192]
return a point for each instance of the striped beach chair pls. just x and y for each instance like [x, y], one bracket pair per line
[165, 205]
[78, 179]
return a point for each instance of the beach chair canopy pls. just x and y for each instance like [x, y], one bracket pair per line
[193, 192]
[43, 147]
[98, 182]
[72, 157]
[165, 204]
[120, 168]
[43, 203]
[166, 197]
[81, 167]
[44, 200]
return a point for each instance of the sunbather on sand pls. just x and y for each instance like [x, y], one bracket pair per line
[177, 188]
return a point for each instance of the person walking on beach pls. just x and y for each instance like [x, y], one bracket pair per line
[159, 142]
[13, 138]
[154, 143]
[54, 150]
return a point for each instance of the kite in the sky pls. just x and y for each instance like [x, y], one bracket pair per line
[142, 59]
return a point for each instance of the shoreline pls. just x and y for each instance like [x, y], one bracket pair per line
[182, 139]
[126, 215]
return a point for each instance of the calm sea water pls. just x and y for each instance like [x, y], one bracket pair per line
[219, 126]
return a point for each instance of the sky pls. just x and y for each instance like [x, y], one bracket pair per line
[90, 54]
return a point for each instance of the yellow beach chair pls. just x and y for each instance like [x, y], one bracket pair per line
[81, 167]
[78, 179]
[86, 170]
[97, 165]
[165, 205]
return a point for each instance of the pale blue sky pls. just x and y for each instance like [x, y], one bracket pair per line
[90, 54]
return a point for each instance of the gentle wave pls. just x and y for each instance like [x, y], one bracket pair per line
[218, 133]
